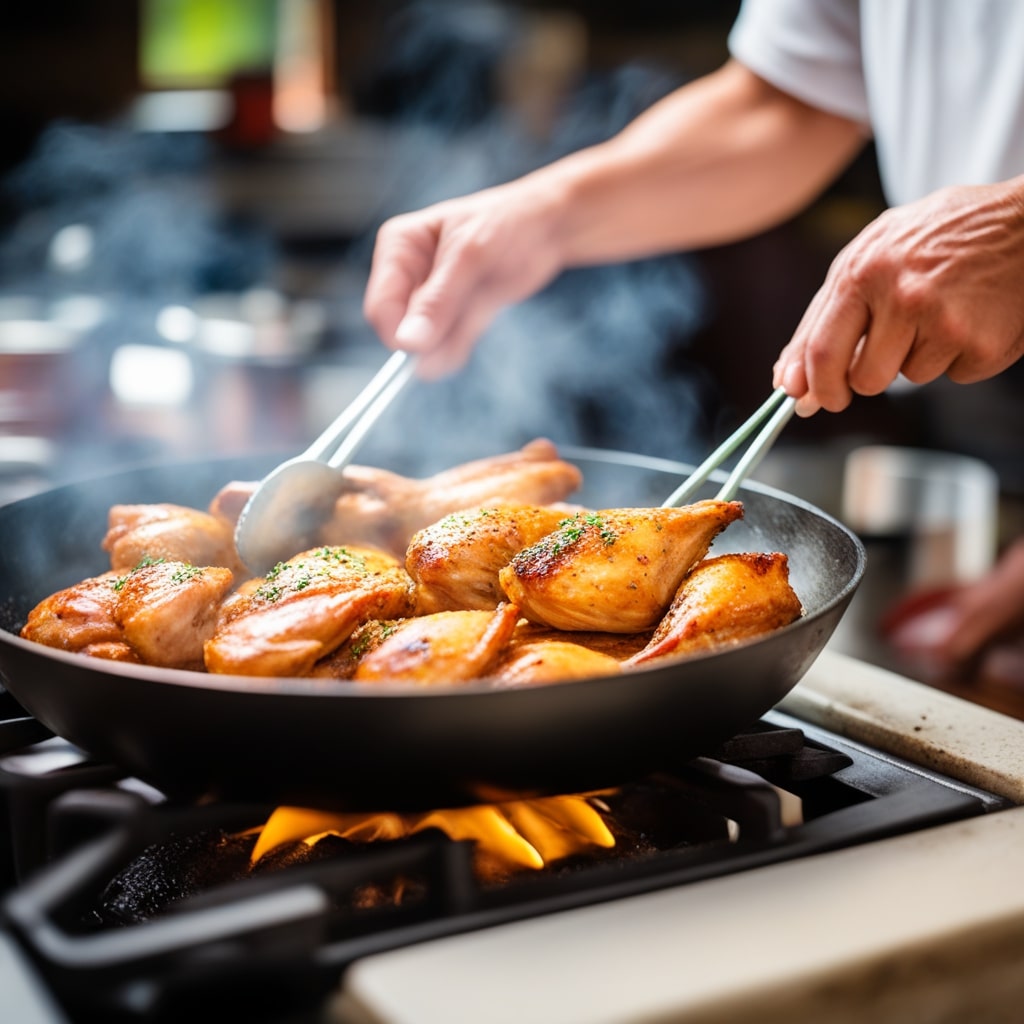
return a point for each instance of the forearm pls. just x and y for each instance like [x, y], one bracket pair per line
[723, 158]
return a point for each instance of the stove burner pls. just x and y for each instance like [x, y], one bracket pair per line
[134, 907]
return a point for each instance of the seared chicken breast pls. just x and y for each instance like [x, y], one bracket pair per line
[723, 600]
[445, 647]
[168, 610]
[616, 570]
[455, 561]
[81, 618]
[553, 661]
[385, 510]
[283, 623]
[175, 533]
[158, 613]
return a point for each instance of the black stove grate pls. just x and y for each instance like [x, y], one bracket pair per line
[91, 906]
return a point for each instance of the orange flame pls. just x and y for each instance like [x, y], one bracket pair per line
[519, 834]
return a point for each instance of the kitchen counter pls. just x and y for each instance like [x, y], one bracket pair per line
[918, 722]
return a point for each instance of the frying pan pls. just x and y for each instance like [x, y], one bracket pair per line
[394, 746]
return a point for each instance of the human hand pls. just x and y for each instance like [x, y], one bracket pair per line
[988, 610]
[930, 288]
[440, 275]
[957, 631]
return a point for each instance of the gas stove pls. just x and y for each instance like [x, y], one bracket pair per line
[829, 859]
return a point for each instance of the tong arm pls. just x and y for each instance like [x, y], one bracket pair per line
[777, 410]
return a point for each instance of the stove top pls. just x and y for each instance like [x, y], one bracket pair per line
[120, 904]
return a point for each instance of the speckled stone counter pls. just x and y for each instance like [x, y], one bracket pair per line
[911, 720]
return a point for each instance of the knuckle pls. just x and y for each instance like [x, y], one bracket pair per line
[869, 380]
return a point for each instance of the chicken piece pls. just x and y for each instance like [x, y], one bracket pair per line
[159, 613]
[614, 571]
[175, 533]
[168, 610]
[725, 600]
[455, 561]
[620, 646]
[81, 618]
[283, 623]
[446, 647]
[553, 661]
[384, 510]
[343, 662]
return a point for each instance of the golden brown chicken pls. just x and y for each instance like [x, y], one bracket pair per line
[620, 646]
[81, 618]
[158, 613]
[616, 570]
[342, 662]
[168, 610]
[445, 647]
[172, 532]
[724, 600]
[455, 561]
[283, 623]
[383, 510]
[553, 661]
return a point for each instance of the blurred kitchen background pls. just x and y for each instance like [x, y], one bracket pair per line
[190, 191]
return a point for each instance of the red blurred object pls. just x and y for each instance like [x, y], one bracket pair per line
[252, 122]
[917, 628]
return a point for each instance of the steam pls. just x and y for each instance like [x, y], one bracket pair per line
[150, 234]
[598, 358]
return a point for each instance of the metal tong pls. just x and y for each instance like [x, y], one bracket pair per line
[774, 414]
[292, 501]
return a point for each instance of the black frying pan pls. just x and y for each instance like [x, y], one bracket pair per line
[397, 747]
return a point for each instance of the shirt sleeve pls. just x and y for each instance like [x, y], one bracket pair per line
[807, 48]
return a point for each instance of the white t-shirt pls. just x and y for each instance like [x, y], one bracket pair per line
[939, 83]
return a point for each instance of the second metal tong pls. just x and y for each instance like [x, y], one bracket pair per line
[774, 414]
[291, 501]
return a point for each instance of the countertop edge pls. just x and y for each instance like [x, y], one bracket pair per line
[911, 720]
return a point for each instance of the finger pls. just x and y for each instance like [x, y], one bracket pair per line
[441, 302]
[453, 352]
[788, 372]
[842, 320]
[402, 259]
[877, 360]
[925, 362]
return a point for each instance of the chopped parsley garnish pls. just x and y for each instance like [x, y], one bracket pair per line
[144, 562]
[570, 530]
[187, 572]
[291, 577]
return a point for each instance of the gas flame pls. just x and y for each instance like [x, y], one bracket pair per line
[519, 834]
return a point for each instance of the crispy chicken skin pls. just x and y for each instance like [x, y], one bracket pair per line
[723, 600]
[553, 661]
[455, 561]
[615, 570]
[385, 510]
[620, 646]
[168, 610]
[342, 662]
[81, 618]
[173, 532]
[282, 624]
[446, 647]
[159, 613]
